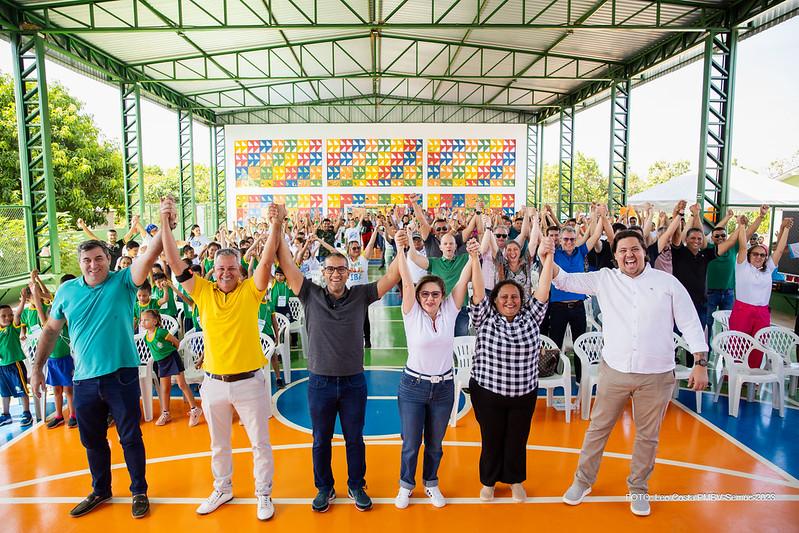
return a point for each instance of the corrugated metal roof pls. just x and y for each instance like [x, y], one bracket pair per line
[210, 49]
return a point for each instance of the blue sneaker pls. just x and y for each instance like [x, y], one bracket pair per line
[5, 419]
[26, 419]
[362, 500]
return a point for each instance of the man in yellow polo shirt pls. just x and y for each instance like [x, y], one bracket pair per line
[233, 360]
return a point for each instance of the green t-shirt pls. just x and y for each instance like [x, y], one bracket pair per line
[99, 323]
[10, 345]
[138, 308]
[721, 271]
[30, 319]
[448, 269]
[158, 345]
[208, 265]
[186, 306]
[171, 308]
[265, 314]
[195, 319]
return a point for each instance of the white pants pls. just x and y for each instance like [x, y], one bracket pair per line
[252, 402]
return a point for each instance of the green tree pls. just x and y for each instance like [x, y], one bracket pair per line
[87, 169]
[663, 171]
[589, 183]
[158, 183]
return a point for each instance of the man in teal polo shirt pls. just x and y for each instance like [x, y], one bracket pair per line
[447, 267]
[99, 309]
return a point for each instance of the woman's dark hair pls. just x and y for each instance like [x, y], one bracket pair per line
[158, 276]
[624, 234]
[498, 286]
[430, 279]
[749, 256]
[156, 316]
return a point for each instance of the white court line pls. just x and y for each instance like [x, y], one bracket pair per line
[465, 444]
[381, 397]
[674, 497]
[738, 443]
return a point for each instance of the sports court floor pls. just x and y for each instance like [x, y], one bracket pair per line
[751, 463]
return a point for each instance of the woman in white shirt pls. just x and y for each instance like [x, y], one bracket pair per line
[426, 391]
[753, 270]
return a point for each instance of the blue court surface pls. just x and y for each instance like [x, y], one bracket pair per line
[758, 427]
[382, 413]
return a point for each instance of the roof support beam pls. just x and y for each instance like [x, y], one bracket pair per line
[619, 145]
[566, 165]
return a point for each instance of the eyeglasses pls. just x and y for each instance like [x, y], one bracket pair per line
[341, 270]
[758, 254]
[501, 235]
[720, 236]
[441, 229]
[430, 294]
[568, 239]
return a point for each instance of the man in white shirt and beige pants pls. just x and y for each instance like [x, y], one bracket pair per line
[640, 306]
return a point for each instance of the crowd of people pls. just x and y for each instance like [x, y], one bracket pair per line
[506, 280]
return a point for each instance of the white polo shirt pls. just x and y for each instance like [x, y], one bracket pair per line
[429, 348]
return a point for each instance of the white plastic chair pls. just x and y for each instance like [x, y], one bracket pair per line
[170, 324]
[191, 349]
[721, 322]
[588, 347]
[783, 342]
[146, 376]
[29, 346]
[268, 348]
[593, 325]
[684, 372]
[298, 326]
[180, 320]
[735, 348]
[283, 336]
[561, 378]
[463, 353]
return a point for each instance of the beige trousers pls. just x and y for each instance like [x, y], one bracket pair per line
[251, 401]
[650, 394]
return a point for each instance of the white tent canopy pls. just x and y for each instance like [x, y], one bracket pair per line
[746, 187]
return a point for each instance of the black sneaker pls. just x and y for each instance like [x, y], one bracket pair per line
[72, 423]
[141, 506]
[55, 422]
[362, 500]
[280, 383]
[109, 420]
[26, 419]
[5, 419]
[88, 504]
[321, 503]
[367, 343]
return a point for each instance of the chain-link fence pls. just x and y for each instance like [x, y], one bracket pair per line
[13, 250]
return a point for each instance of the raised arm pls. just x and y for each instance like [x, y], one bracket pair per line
[673, 227]
[424, 225]
[587, 238]
[294, 277]
[370, 246]
[546, 251]
[469, 272]
[470, 227]
[178, 266]
[724, 247]
[741, 257]
[89, 233]
[264, 271]
[757, 221]
[782, 240]
[524, 233]
[408, 288]
[723, 222]
[420, 260]
[389, 279]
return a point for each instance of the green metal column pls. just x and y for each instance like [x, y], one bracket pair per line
[533, 151]
[218, 177]
[619, 144]
[187, 206]
[715, 137]
[35, 153]
[566, 165]
[539, 193]
[132, 165]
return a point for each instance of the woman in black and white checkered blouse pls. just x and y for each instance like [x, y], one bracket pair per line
[504, 383]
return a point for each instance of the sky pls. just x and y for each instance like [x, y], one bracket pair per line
[664, 124]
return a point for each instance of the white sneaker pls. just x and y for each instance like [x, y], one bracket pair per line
[518, 494]
[266, 509]
[214, 501]
[401, 501]
[486, 493]
[436, 498]
[194, 416]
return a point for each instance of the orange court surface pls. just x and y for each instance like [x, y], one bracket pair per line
[43, 474]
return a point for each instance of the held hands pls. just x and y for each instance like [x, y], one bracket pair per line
[787, 223]
[695, 210]
[401, 238]
[473, 248]
[169, 213]
[546, 248]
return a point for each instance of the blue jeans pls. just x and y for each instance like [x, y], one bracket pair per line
[424, 408]
[344, 396]
[718, 300]
[116, 393]
[462, 322]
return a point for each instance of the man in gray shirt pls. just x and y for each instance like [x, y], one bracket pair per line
[334, 318]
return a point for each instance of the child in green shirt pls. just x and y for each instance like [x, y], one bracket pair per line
[164, 294]
[167, 363]
[13, 375]
[144, 301]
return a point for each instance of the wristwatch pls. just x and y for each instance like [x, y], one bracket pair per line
[701, 362]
